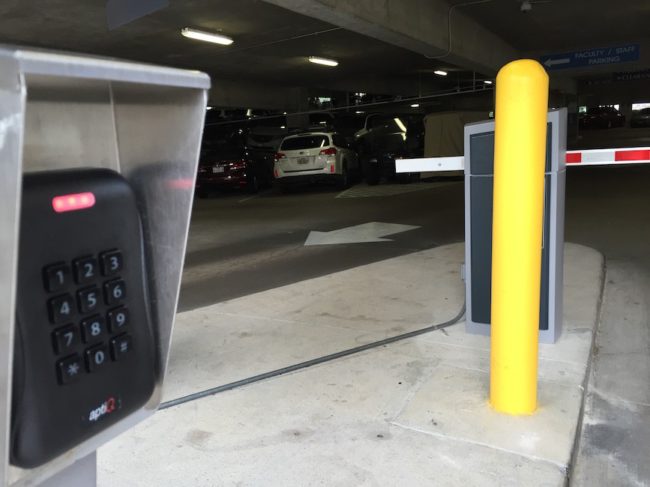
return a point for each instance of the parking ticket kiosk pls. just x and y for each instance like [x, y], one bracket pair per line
[98, 162]
[479, 177]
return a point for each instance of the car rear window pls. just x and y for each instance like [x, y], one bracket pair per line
[306, 142]
[215, 152]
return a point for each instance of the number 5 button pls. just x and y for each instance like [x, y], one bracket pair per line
[114, 291]
[88, 299]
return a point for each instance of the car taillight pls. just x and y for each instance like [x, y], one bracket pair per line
[238, 164]
[279, 155]
[330, 151]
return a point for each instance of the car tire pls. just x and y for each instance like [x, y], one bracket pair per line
[372, 175]
[344, 178]
[253, 185]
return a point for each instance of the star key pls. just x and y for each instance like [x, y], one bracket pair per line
[69, 369]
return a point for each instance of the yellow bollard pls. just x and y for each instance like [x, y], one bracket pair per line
[519, 160]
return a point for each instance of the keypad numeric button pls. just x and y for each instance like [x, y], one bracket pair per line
[93, 328]
[56, 277]
[118, 319]
[111, 262]
[65, 339]
[121, 346]
[88, 299]
[85, 269]
[96, 357]
[69, 369]
[114, 291]
[61, 308]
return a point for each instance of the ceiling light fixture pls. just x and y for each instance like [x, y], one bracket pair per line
[323, 61]
[440, 72]
[415, 105]
[200, 35]
[487, 82]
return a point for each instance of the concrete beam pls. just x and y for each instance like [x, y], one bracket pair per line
[242, 94]
[420, 26]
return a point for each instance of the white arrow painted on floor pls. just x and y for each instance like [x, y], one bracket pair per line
[366, 232]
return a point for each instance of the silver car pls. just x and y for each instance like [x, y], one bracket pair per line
[314, 157]
[641, 118]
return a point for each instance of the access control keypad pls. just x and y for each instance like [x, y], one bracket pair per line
[93, 311]
[85, 351]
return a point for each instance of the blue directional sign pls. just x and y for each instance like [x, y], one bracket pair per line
[592, 57]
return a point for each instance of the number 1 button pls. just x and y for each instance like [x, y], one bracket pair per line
[56, 277]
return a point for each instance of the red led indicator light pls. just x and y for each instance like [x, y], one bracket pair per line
[73, 202]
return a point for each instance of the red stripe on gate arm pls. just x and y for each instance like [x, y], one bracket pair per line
[573, 157]
[632, 155]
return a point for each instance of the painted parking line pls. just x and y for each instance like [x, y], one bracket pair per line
[365, 191]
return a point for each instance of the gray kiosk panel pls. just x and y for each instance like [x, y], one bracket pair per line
[479, 179]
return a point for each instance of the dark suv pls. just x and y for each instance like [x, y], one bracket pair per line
[228, 166]
[397, 138]
[602, 118]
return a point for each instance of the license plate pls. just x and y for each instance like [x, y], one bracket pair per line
[217, 169]
[303, 160]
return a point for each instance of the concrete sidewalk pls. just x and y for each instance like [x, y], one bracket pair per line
[412, 413]
[614, 446]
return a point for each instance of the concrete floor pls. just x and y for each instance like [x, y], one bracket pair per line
[241, 246]
[411, 413]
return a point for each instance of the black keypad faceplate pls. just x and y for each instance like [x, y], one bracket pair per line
[84, 336]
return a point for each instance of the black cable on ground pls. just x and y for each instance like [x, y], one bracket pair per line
[310, 363]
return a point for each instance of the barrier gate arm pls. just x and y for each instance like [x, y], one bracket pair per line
[592, 157]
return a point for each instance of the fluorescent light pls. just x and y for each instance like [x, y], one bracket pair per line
[200, 35]
[359, 112]
[487, 82]
[440, 72]
[415, 105]
[323, 61]
[400, 124]
[208, 107]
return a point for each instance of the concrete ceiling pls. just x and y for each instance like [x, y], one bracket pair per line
[383, 46]
[271, 46]
[554, 25]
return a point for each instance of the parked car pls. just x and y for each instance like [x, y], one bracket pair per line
[641, 118]
[314, 157]
[227, 166]
[380, 146]
[602, 118]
